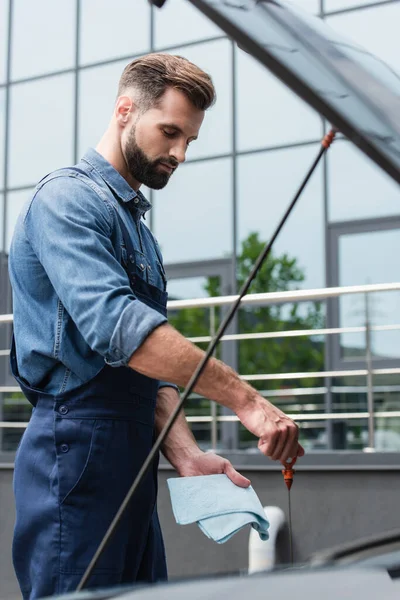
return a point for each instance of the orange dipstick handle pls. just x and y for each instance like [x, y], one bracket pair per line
[288, 472]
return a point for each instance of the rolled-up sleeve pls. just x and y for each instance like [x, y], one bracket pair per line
[69, 227]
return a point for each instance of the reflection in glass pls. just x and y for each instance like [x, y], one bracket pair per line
[376, 29]
[358, 189]
[187, 288]
[2, 134]
[41, 130]
[267, 183]
[330, 5]
[178, 23]
[15, 203]
[370, 257]
[311, 6]
[191, 322]
[3, 39]
[352, 397]
[112, 29]
[268, 114]
[215, 135]
[15, 407]
[387, 433]
[97, 93]
[193, 214]
[43, 37]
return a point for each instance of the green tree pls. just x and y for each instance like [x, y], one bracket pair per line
[277, 274]
[292, 354]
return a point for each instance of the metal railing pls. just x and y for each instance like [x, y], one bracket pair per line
[275, 298]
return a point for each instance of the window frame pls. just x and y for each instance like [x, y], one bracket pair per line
[335, 231]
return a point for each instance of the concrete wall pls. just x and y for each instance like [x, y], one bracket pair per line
[335, 499]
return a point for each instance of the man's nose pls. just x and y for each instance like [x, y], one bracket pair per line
[178, 152]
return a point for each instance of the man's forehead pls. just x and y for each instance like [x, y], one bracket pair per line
[175, 109]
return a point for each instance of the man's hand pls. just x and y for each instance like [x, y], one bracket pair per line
[278, 434]
[211, 464]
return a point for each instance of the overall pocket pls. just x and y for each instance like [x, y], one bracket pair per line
[80, 448]
[97, 463]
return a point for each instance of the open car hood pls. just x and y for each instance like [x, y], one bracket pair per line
[357, 92]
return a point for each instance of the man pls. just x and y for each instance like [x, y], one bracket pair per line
[95, 355]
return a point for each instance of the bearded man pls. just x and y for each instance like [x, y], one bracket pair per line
[94, 353]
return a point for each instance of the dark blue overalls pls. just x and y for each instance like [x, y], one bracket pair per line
[77, 459]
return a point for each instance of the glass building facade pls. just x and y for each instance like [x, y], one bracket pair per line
[60, 61]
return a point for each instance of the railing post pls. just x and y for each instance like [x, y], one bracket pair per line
[370, 391]
[214, 422]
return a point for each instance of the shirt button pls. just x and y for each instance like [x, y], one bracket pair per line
[131, 258]
[142, 266]
[149, 267]
[63, 409]
[136, 200]
[64, 447]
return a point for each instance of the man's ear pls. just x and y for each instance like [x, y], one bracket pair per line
[123, 109]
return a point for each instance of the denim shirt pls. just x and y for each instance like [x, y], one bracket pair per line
[74, 309]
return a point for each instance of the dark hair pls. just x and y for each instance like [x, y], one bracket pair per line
[153, 73]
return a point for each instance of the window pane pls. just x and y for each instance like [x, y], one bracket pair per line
[193, 215]
[387, 435]
[15, 407]
[15, 202]
[376, 29]
[187, 288]
[120, 28]
[97, 93]
[358, 188]
[268, 114]
[41, 129]
[311, 6]
[178, 23]
[370, 257]
[3, 39]
[43, 37]
[2, 134]
[339, 4]
[216, 132]
[267, 184]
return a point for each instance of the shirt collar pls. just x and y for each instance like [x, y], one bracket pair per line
[116, 182]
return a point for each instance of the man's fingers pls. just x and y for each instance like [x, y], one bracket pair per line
[291, 447]
[281, 442]
[268, 442]
[300, 450]
[236, 477]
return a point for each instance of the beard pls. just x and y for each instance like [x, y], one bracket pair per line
[142, 168]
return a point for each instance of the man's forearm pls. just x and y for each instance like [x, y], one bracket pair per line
[180, 444]
[168, 356]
